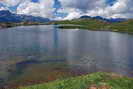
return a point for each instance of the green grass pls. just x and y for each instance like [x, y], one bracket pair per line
[94, 24]
[99, 80]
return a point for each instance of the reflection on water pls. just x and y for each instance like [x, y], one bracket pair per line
[36, 54]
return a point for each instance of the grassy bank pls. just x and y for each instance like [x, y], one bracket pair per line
[12, 24]
[94, 24]
[93, 81]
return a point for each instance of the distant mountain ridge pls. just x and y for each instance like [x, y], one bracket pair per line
[7, 16]
[104, 19]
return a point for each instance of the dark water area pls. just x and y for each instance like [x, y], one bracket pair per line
[36, 54]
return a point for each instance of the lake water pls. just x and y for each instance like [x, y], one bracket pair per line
[36, 54]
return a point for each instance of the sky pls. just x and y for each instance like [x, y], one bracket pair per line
[70, 9]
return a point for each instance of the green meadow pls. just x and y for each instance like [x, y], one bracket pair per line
[98, 80]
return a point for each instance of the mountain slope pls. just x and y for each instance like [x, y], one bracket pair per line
[104, 19]
[7, 16]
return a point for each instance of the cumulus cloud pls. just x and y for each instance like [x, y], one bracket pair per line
[82, 5]
[11, 2]
[42, 8]
[74, 8]
[73, 15]
[122, 8]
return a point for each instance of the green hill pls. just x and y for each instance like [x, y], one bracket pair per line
[95, 24]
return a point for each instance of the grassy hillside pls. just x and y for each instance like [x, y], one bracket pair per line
[94, 24]
[93, 81]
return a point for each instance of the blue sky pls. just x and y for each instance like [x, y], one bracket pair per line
[70, 8]
[110, 2]
[35, 1]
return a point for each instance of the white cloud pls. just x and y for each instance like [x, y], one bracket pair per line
[74, 8]
[73, 15]
[121, 9]
[11, 2]
[42, 8]
[82, 5]
[2, 8]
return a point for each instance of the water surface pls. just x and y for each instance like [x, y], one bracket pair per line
[35, 54]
